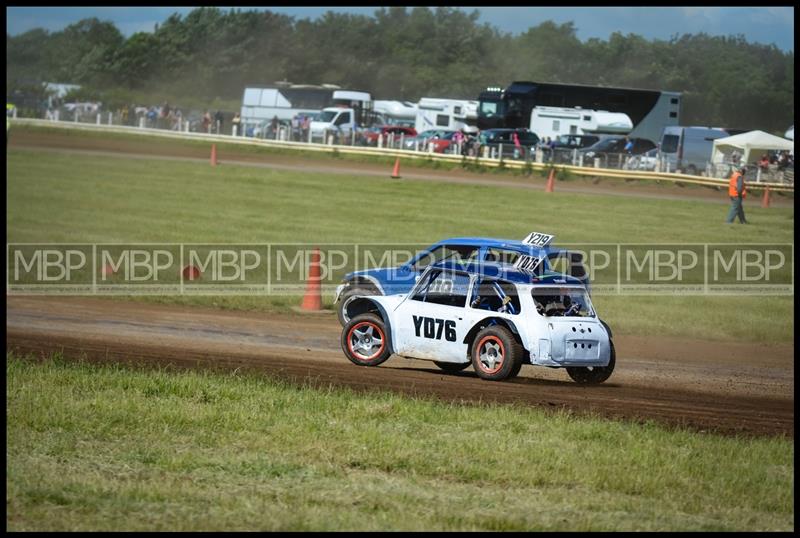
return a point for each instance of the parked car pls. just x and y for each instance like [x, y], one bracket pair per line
[494, 317]
[371, 135]
[611, 150]
[439, 137]
[646, 161]
[494, 138]
[575, 141]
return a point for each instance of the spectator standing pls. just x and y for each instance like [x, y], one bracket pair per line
[737, 192]
[273, 127]
[206, 121]
[152, 115]
[237, 123]
[783, 160]
[628, 149]
[458, 140]
[218, 121]
[517, 145]
[305, 126]
[165, 119]
[764, 163]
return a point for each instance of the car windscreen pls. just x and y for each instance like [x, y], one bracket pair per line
[327, 116]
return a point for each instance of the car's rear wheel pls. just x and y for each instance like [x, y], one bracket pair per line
[495, 353]
[452, 366]
[365, 341]
[593, 375]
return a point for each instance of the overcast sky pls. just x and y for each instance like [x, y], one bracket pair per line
[765, 25]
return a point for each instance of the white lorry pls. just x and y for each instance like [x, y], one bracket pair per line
[351, 110]
[550, 121]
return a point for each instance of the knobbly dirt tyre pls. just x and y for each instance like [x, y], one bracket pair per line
[515, 372]
[593, 375]
[365, 341]
[495, 353]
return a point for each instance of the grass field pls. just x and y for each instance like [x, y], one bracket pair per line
[55, 197]
[115, 448]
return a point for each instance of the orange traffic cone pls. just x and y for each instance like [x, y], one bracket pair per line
[396, 171]
[765, 200]
[213, 155]
[550, 181]
[313, 297]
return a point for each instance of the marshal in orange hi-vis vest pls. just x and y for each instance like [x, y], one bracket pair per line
[732, 185]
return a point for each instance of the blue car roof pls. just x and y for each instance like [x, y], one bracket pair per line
[507, 272]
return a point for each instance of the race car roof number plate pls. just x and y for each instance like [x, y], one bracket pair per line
[538, 239]
[527, 264]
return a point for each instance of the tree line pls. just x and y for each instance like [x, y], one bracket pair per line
[403, 54]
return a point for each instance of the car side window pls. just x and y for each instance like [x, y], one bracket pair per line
[501, 256]
[495, 296]
[445, 288]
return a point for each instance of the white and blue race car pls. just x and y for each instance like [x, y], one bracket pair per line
[394, 280]
[493, 316]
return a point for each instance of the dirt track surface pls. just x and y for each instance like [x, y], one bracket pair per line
[153, 148]
[729, 388]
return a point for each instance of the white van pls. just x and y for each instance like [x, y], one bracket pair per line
[688, 149]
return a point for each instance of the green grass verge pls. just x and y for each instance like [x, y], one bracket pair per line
[117, 448]
[61, 198]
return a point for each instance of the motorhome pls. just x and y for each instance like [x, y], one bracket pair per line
[450, 114]
[395, 112]
[688, 149]
[549, 121]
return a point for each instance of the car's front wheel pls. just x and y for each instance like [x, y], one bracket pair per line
[365, 341]
[593, 375]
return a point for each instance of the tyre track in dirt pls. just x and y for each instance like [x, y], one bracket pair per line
[726, 388]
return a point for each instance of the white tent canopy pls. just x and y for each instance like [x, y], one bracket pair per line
[750, 145]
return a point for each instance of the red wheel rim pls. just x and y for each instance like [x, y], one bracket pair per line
[491, 354]
[363, 338]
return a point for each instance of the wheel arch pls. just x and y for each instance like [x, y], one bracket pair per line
[366, 281]
[607, 328]
[485, 322]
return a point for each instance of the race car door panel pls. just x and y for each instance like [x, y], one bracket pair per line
[431, 323]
